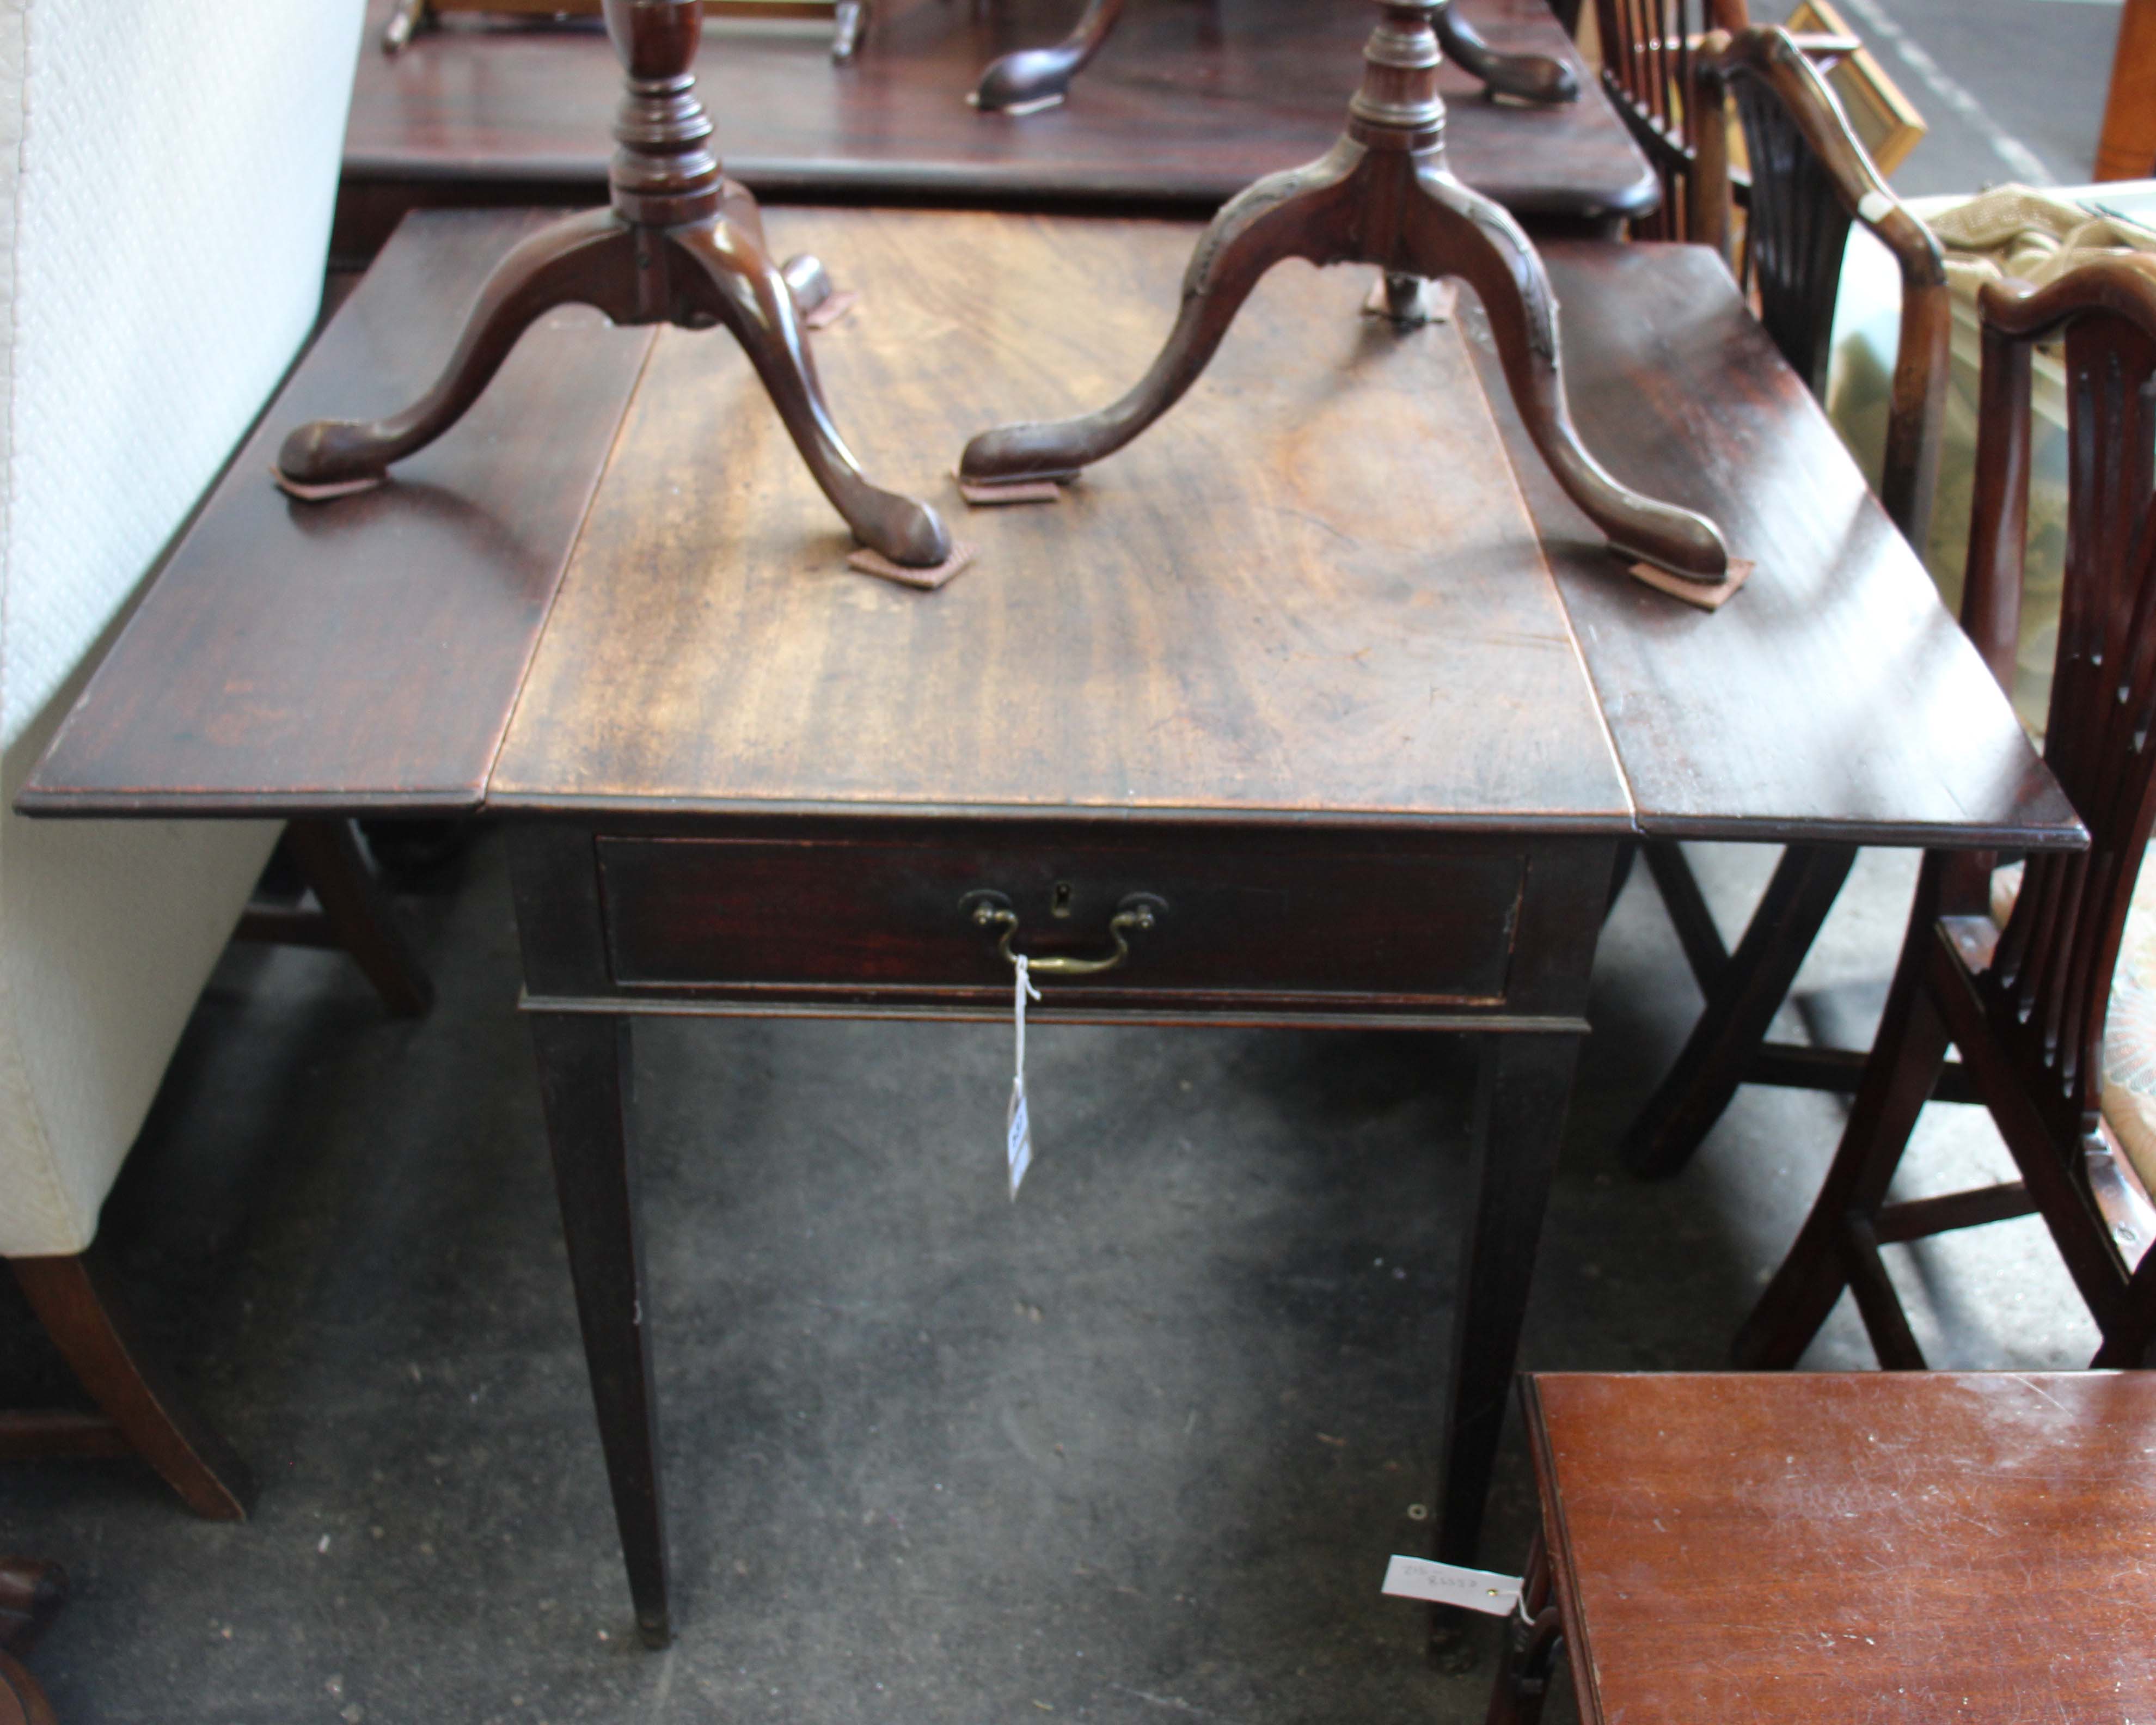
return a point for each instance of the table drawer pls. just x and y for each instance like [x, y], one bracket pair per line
[863, 920]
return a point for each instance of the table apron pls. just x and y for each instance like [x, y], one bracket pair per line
[1277, 1017]
[1453, 932]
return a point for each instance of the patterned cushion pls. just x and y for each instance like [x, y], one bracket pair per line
[2130, 1029]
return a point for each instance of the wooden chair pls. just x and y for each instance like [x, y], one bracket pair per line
[2025, 1004]
[1785, 1548]
[1810, 179]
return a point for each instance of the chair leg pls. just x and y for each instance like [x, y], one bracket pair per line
[1688, 913]
[1740, 1006]
[1877, 1304]
[1897, 1081]
[360, 914]
[79, 1303]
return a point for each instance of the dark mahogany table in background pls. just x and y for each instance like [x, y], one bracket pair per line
[1192, 100]
[1372, 743]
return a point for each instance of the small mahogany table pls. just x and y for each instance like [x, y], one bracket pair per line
[1294, 668]
[1192, 101]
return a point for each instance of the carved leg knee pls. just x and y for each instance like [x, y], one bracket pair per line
[755, 301]
[1302, 213]
[1451, 230]
[587, 258]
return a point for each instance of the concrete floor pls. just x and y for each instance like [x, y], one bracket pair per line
[2011, 89]
[1133, 1449]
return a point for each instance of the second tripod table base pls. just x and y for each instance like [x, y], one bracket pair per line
[1381, 195]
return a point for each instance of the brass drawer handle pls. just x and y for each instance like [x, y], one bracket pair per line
[991, 910]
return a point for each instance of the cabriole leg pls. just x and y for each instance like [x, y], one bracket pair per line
[1307, 212]
[1040, 77]
[1530, 77]
[587, 258]
[754, 300]
[1452, 230]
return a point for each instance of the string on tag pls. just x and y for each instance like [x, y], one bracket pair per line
[1018, 1129]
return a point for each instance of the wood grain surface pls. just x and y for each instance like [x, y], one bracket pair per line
[1834, 698]
[362, 654]
[1920, 1546]
[301, 660]
[1312, 589]
[1187, 104]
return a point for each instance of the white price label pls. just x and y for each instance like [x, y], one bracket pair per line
[1018, 1137]
[1449, 1584]
[1018, 1126]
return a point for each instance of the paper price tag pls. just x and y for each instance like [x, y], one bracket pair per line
[1018, 1137]
[1017, 1126]
[1449, 1584]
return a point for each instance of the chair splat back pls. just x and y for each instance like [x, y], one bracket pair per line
[1810, 179]
[2050, 982]
[1798, 228]
[1649, 48]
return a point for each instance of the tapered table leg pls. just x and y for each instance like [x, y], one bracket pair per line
[1520, 1099]
[584, 1079]
[361, 914]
